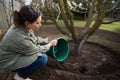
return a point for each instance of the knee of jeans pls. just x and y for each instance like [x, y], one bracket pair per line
[44, 58]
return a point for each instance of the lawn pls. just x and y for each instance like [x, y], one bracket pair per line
[114, 27]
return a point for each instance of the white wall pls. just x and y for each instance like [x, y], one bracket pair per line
[28, 2]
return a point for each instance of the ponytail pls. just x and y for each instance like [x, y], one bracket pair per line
[16, 18]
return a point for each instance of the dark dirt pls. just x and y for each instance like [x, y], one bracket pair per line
[99, 59]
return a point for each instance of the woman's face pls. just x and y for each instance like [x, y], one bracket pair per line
[35, 25]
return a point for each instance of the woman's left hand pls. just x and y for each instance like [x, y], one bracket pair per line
[53, 42]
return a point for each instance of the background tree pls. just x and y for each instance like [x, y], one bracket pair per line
[113, 13]
[97, 10]
[40, 4]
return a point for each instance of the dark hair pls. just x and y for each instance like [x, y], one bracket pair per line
[26, 13]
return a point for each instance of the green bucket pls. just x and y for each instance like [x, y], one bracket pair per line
[60, 51]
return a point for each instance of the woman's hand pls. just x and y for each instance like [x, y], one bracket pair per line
[53, 42]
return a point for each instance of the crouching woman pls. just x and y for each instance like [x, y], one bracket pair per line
[20, 50]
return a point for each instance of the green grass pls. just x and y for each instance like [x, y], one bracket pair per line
[114, 27]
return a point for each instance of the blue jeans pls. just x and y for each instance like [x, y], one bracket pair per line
[28, 70]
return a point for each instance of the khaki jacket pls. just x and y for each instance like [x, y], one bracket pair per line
[20, 48]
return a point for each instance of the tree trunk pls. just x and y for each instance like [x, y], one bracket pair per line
[76, 49]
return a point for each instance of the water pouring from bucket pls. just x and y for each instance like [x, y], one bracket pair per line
[60, 51]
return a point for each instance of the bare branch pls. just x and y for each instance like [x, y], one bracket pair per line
[53, 19]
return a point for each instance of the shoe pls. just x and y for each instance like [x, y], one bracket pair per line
[28, 79]
[17, 77]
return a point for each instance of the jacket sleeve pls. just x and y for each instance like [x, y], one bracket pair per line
[41, 40]
[28, 46]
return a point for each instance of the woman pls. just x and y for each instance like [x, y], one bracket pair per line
[20, 50]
